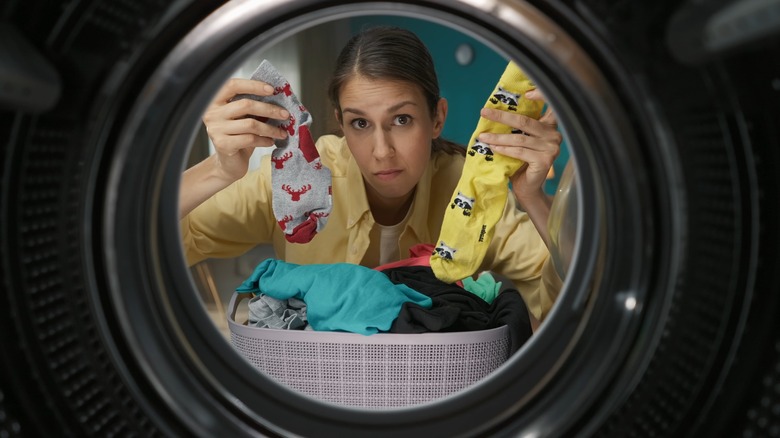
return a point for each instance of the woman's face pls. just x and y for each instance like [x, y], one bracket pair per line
[389, 129]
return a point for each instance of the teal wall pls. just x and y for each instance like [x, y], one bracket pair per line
[466, 87]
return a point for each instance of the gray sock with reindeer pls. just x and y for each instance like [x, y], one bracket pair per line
[301, 183]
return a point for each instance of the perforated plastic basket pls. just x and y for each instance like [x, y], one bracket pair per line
[378, 371]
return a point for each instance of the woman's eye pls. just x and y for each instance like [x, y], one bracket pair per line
[402, 120]
[359, 123]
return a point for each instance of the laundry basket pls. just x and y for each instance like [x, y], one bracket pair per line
[374, 372]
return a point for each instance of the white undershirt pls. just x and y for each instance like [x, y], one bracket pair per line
[388, 240]
[388, 243]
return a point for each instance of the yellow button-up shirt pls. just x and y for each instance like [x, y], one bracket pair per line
[238, 218]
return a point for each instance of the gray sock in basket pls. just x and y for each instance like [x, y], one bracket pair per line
[301, 183]
[269, 312]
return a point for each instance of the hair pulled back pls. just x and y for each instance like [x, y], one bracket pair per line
[387, 52]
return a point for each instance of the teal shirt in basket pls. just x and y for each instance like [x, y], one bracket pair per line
[338, 296]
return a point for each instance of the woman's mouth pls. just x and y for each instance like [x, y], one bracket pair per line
[387, 175]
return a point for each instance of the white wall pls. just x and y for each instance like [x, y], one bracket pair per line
[285, 57]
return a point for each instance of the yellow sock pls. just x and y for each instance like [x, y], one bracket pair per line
[478, 200]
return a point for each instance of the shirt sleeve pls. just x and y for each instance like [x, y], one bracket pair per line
[518, 252]
[233, 221]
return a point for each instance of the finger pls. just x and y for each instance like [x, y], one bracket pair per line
[549, 140]
[249, 126]
[549, 114]
[520, 128]
[535, 94]
[508, 145]
[232, 144]
[245, 116]
[538, 162]
[545, 128]
[549, 117]
[549, 143]
[241, 108]
[520, 152]
[236, 86]
[510, 119]
[494, 139]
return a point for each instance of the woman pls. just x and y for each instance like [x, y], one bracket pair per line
[392, 174]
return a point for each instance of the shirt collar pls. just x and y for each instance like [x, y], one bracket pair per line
[358, 204]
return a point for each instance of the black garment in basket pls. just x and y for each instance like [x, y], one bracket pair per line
[456, 309]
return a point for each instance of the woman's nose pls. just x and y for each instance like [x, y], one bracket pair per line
[383, 145]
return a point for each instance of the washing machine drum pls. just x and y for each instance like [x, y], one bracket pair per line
[663, 228]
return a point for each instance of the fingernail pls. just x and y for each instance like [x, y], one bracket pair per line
[285, 114]
[268, 88]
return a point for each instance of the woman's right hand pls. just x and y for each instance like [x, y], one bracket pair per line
[235, 127]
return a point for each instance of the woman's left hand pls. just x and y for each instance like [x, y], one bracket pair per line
[537, 143]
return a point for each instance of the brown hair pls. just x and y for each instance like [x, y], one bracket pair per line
[386, 52]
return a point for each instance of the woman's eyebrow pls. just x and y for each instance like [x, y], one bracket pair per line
[400, 105]
[353, 110]
[393, 108]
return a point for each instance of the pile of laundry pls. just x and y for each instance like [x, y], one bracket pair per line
[400, 297]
